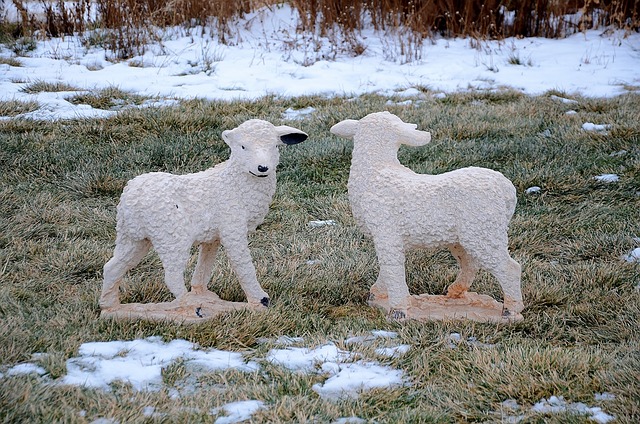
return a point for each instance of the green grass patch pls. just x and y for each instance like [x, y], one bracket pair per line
[61, 182]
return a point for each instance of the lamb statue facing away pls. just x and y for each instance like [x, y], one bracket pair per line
[466, 210]
[209, 208]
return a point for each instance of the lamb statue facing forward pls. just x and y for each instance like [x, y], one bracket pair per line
[209, 208]
[466, 210]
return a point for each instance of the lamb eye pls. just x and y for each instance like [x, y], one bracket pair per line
[243, 147]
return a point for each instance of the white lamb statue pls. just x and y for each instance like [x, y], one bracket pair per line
[466, 210]
[217, 206]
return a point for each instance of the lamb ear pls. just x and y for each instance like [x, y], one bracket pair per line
[417, 138]
[227, 136]
[289, 135]
[345, 129]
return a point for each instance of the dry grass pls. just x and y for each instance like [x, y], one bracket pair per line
[11, 61]
[16, 107]
[50, 87]
[61, 181]
[108, 98]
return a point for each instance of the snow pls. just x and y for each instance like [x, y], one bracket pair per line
[350, 420]
[304, 359]
[618, 153]
[105, 421]
[368, 339]
[533, 190]
[556, 405]
[564, 99]
[394, 351]
[140, 362]
[268, 57]
[297, 114]
[26, 368]
[322, 223]
[348, 380]
[599, 128]
[590, 126]
[633, 256]
[283, 340]
[607, 178]
[384, 334]
[237, 411]
[604, 396]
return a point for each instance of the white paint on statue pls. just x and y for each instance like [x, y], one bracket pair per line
[467, 211]
[219, 206]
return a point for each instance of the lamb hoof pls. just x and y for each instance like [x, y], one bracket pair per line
[265, 302]
[396, 314]
[511, 316]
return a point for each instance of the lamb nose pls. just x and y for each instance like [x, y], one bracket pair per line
[263, 168]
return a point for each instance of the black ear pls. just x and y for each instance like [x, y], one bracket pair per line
[293, 138]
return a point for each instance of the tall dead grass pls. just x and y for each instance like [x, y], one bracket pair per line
[489, 18]
[130, 24]
[144, 13]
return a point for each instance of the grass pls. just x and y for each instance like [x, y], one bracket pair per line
[61, 182]
[107, 98]
[11, 61]
[41, 86]
[17, 107]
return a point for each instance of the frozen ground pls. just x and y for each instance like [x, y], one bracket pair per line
[347, 373]
[140, 363]
[268, 57]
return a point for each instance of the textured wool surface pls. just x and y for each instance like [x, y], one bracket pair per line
[467, 210]
[209, 208]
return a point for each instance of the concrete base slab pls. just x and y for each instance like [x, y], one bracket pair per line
[188, 309]
[472, 306]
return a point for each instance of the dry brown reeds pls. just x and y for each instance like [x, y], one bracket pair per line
[487, 19]
[130, 24]
[132, 21]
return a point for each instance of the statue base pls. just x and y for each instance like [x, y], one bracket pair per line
[472, 306]
[188, 309]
